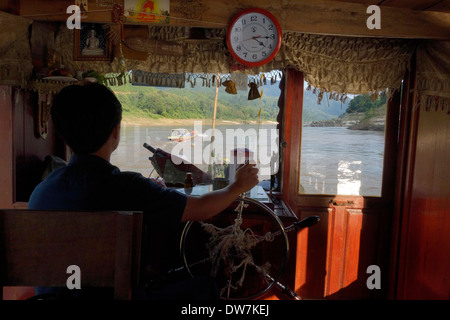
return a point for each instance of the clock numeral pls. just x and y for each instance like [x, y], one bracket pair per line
[272, 36]
[237, 29]
[245, 54]
[236, 39]
[244, 22]
[253, 18]
[270, 27]
[254, 56]
[238, 48]
[264, 53]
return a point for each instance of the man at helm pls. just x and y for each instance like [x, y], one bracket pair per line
[88, 118]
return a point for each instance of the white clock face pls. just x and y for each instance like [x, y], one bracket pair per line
[254, 37]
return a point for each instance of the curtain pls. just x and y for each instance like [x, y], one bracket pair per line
[433, 75]
[347, 65]
[332, 65]
[208, 55]
[15, 55]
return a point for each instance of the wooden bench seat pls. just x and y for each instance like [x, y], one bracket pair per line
[37, 247]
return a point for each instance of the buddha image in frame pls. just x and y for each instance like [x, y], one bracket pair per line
[93, 42]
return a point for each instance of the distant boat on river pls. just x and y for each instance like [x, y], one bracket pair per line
[182, 134]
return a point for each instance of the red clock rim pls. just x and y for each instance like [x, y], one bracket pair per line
[277, 26]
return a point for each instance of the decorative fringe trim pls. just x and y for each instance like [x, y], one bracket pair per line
[158, 79]
[15, 54]
[47, 87]
[433, 76]
[434, 87]
[432, 103]
[53, 87]
[433, 92]
[5, 91]
[240, 79]
[114, 79]
[343, 97]
[15, 72]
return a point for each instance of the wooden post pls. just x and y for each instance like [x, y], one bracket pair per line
[213, 138]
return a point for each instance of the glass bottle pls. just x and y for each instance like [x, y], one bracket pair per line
[188, 183]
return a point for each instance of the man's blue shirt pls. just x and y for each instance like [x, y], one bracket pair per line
[92, 183]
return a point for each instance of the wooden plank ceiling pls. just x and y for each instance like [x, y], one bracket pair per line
[419, 19]
[424, 5]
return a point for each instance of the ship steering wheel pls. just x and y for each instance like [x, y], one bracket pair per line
[245, 251]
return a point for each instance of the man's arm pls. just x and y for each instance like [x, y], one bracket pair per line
[210, 204]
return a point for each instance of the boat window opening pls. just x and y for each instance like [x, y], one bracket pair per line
[342, 146]
[182, 122]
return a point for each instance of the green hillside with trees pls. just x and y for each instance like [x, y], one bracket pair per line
[198, 102]
[362, 113]
[363, 103]
[193, 103]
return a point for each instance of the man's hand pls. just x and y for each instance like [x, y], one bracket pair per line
[246, 178]
[210, 204]
[159, 182]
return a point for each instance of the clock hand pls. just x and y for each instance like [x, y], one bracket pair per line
[252, 38]
[260, 43]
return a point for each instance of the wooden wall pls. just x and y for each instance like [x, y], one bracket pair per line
[424, 245]
[405, 232]
[10, 6]
[22, 153]
[6, 147]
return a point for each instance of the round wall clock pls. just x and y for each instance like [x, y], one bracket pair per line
[254, 37]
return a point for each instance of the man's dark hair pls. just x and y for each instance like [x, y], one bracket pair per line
[85, 116]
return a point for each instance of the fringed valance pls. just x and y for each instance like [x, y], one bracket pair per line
[433, 76]
[347, 65]
[241, 80]
[333, 65]
[207, 55]
[15, 54]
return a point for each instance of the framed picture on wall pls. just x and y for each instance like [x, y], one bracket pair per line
[92, 42]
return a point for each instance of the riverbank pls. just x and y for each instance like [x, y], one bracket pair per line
[346, 120]
[355, 121]
[184, 123]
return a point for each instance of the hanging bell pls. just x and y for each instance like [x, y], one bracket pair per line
[229, 87]
[253, 93]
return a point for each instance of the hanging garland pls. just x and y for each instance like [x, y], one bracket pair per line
[240, 80]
